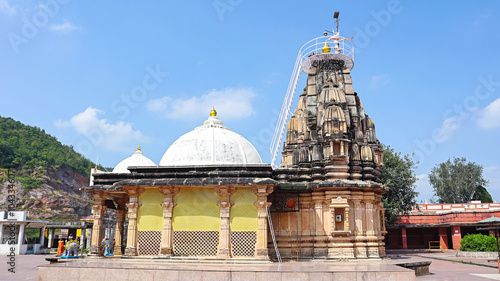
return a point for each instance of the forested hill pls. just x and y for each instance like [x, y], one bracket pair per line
[31, 147]
[48, 174]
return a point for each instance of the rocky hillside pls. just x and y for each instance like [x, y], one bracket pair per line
[48, 174]
[57, 199]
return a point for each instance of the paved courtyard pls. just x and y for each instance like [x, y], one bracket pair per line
[441, 268]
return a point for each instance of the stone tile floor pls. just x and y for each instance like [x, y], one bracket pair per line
[445, 266]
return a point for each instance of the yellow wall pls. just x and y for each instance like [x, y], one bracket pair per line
[243, 212]
[150, 211]
[196, 210]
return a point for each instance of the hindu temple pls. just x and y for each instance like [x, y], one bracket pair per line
[211, 196]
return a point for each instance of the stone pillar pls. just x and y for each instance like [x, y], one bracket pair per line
[120, 219]
[50, 237]
[133, 208]
[89, 238]
[42, 236]
[443, 238]
[318, 198]
[370, 229]
[358, 217]
[262, 205]
[456, 236]
[320, 235]
[360, 242]
[98, 208]
[383, 231]
[372, 241]
[20, 238]
[168, 206]
[403, 238]
[82, 237]
[225, 208]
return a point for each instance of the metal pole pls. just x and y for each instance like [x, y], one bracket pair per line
[297, 219]
[498, 249]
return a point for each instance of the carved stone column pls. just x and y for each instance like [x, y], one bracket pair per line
[370, 231]
[225, 209]
[318, 198]
[133, 208]
[168, 205]
[98, 208]
[120, 218]
[360, 244]
[358, 217]
[262, 205]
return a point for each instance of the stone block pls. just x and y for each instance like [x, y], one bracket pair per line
[140, 275]
[191, 275]
[295, 276]
[344, 276]
[321, 276]
[242, 276]
[366, 276]
[166, 275]
[216, 276]
[114, 274]
[92, 274]
[267, 276]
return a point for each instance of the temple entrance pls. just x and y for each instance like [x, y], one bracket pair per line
[149, 223]
[196, 222]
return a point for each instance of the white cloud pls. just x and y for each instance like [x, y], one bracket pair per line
[231, 103]
[378, 81]
[490, 115]
[449, 126]
[6, 8]
[61, 124]
[64, 27]
[117, 136]
[422, 176]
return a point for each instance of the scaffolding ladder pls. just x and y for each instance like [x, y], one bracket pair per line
[271, 229]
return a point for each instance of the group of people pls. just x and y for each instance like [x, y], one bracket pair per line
[68, 250]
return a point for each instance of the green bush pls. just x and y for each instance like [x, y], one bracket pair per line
[479, 243]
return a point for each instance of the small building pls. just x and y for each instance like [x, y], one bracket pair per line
[18, 233]
[445, 224]
[62, 230]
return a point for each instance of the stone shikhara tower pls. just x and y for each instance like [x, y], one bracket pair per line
[328, 203]
[330, 136]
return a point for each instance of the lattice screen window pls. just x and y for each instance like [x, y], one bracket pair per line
[196, 243]
[243, 243]
[149, 243]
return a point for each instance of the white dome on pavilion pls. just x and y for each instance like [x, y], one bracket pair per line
[137, 159]
[211, 144]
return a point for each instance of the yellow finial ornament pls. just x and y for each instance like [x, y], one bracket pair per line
[213, 112]
[326, 48]
[139, 147]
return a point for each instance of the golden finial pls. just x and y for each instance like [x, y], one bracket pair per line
[139, 147]
[326, 48]
[213, 112]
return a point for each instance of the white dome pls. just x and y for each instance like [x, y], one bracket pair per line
[137, 159]
[211, 144]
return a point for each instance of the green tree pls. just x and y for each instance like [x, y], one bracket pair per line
[457, 181]
[483, 195]
[398, 174]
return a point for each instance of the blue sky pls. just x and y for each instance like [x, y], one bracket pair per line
[108, 76]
